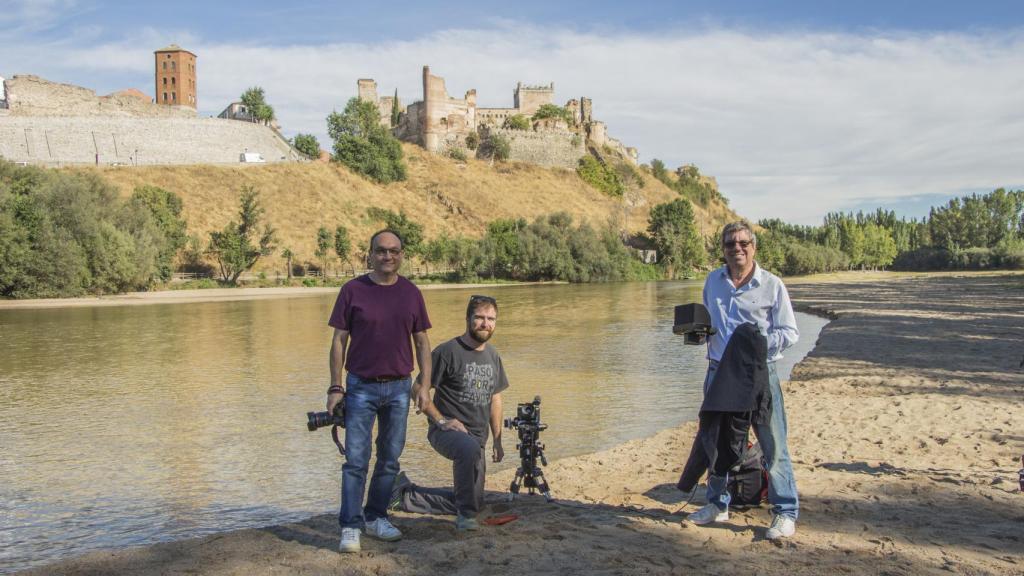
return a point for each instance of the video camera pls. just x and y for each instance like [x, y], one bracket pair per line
[694, 322]
[527, 423]
[335, 419]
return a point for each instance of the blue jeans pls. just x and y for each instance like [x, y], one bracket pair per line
[772, 436]
[366, 400]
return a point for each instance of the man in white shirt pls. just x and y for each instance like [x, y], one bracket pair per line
[738, 293]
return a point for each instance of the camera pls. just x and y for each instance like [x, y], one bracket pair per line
[335, 419]
[320, 419]
[527, 415]
[694, 323]
[528, 425]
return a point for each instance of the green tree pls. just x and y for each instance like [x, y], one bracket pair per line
[307, 144]
[658, 171]
[254, 100]
[517, 122]
[343, 246]
[240, 244]
[362, 144]
[165, 208]
[472, 140]
[671, 229]
[395, 110]
[553, 111]
[323, 247]
[288, 255]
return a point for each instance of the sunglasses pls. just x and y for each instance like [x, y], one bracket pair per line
[733, 243]
[478, 298]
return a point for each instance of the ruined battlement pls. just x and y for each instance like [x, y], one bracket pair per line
[441, 122]
[29, 95]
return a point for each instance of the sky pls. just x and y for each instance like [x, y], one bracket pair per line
[797, 108]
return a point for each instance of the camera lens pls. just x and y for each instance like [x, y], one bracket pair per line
[318, 419]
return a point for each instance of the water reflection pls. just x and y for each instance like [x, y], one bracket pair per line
[130, 425]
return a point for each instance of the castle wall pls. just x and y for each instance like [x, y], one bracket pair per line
[445, 119]
[35, 96]
[58, 141]
[560, 149]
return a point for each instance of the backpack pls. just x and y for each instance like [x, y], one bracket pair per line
[748, 480]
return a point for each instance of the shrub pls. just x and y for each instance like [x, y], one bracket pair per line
[600, 176]
[517, 122]
[472, 140]
[362, 144]
[457, 154]
[497, 147]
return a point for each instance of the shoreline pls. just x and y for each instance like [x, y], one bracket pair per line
[905, 425]
[200, 295]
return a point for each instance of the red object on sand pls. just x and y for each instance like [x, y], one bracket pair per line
[499, 520]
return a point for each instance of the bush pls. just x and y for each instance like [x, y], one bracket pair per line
[457, 154]
[307, 144]
[553, 111]
[472, 140]
[600, 176]
[517, 122]
[70, 234]
[362, 144]
[496, 147]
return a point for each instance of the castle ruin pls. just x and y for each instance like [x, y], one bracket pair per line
[441, 123]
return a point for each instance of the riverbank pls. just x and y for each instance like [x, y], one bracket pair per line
[202, 295]
[905, 430]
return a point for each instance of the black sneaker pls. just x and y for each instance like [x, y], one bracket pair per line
[397, 490]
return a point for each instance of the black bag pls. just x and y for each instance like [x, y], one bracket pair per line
[748, 480]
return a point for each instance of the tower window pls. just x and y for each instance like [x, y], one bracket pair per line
[165, 96]
[174, 96]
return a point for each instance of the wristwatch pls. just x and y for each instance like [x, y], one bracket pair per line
[441, 421]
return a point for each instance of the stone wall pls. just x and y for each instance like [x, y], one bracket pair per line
[527, 99]
[58, 141]
[35, 96]
[562, 149]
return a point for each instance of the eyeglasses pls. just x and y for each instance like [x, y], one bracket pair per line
[733, 243]
[384, 251]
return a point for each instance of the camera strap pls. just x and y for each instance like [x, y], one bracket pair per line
[334, 435]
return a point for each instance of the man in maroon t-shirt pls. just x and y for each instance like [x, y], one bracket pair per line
[373, 319]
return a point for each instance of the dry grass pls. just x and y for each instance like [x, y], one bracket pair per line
[440, 193]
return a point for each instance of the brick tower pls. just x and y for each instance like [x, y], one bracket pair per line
[175, 73]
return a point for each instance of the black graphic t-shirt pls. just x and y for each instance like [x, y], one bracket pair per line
[464, 381]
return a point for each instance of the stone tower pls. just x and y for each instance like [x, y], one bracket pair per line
[175, 74]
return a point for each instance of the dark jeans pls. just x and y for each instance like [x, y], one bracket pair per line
[366, 401]
[469, 469]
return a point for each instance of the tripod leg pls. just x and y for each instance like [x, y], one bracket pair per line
[542, 485]
[513, 489]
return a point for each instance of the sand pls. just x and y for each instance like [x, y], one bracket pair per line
[906, 427]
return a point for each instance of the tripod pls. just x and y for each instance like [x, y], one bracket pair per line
[529, 474]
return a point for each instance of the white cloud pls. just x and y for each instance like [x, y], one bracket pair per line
[793, 125]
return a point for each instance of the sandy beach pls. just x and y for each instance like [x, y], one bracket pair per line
[906, 428]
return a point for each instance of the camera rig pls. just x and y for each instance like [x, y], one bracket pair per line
[527, 423]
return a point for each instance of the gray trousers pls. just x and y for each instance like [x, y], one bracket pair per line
[469, 469]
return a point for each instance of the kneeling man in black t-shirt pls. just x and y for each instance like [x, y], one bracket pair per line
[467, 379]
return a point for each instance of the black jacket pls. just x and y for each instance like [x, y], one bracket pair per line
[738, 396]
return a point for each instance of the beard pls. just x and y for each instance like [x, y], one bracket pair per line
[481, 336]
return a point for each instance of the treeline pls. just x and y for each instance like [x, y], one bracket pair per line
[687, 183]
[71, 235]
[972, 232]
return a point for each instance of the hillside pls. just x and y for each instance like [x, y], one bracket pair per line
[440, 193]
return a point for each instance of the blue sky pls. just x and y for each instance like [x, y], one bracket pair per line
[797, 108]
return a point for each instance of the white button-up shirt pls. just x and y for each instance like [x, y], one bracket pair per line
[763, 301]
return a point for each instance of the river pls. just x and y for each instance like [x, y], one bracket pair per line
[123, 426]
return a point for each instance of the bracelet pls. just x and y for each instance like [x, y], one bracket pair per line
[335, 390]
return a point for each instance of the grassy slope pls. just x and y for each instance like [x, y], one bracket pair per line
[440, 193]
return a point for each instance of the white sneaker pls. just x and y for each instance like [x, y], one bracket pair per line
[383, 530]
[782, 527]
[349, 540]
[708, 514]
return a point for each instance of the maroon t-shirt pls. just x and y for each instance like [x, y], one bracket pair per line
[380, 321]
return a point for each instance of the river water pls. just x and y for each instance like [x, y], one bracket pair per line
[122, 426]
